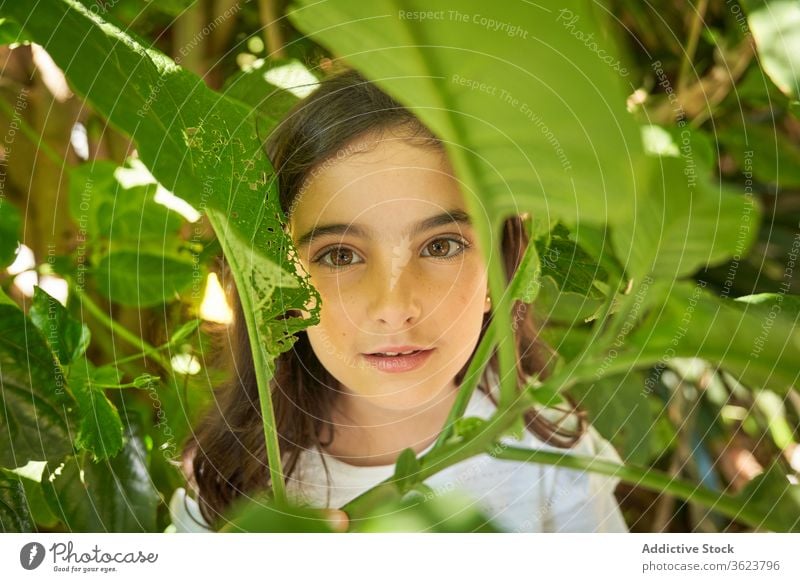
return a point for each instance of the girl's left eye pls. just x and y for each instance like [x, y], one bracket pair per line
[441, 248]
[437, 244]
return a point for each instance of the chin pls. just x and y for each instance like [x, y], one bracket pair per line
[409, 399]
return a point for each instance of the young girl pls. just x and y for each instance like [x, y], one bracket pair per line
[380, 224]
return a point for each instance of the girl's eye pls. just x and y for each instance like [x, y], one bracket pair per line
[442, 247]
[340, 257]
[446, 249]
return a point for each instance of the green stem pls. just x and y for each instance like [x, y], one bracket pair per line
[691, 46]
[471, 378]
[264, 367]
[646, 478]
[440, 458]
[489, 340]
[506, 352]
[34, 136]
[119, 330]
[139, 355]
[485, 442]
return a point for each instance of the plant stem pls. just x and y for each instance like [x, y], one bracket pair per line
[34, 136]
[653, 480]
[270, 21]
[487, 345]
[485, 442]
[440, 458]
[474, 371]
[241, 267]
[119, 330]
[691, 45]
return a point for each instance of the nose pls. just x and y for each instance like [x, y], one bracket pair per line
[393, 290]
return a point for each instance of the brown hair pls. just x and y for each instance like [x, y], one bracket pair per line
[226, 455]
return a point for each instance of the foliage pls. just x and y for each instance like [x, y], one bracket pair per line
[643, 199]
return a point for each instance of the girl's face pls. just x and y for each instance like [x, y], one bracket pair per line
[383, 232]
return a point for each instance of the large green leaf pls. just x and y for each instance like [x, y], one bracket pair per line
[776, 28]
[252, 87]
[107, 209]
[772, 157]
[204, 147]
[498, 82]
[760, 347]
[35, 405]
[67, 337]
[142, 278]
[685, 221]
[116, 495]
[621, 412]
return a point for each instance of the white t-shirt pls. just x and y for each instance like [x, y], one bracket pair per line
[516, 496]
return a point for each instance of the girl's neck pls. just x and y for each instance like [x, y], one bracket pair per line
[367, 435]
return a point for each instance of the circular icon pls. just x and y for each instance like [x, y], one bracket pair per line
[31, 555]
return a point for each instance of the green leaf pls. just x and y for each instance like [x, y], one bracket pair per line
[264, 515]
[5, 299]
[204, 147]
[142, 279]
[526, 283]
[620, 410]
[765, 151]
[775, 25]
[34, 408]
[555, 305]
[677, 142]
[100, 429]
[468, 427]
[10, 227]
[497, 97]
[683, 222]
[10, 32]
[427, 511]
[406, 470]
[546, 395]
[251, 87]
[107, 209]
[115, 495]
[787, 305]
[771, 495]
[759, 347]
[31, 476]
[15, 516]
[67, 337]
[571, 267]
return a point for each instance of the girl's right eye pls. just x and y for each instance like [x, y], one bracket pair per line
[341, 257]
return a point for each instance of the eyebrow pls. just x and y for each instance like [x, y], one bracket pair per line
[449, 217]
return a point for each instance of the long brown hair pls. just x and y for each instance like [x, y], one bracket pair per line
[226, 456]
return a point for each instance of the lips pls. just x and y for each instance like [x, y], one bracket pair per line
[396, 350]
[395, 354]
[399, 363]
